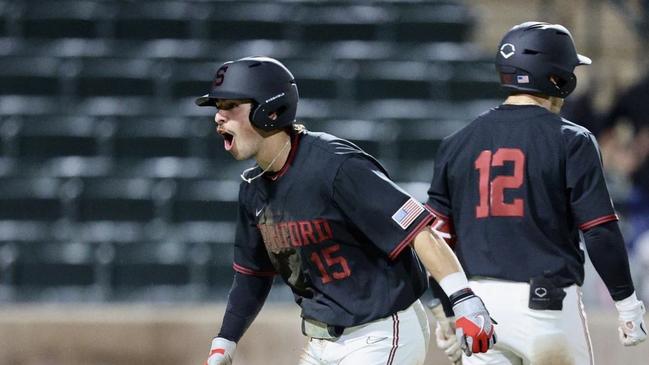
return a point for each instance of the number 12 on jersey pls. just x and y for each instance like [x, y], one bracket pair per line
[492, 191]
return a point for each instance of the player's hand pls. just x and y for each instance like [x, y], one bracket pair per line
[445, 335]
[474, 327]
[632, 330]
[221, 352]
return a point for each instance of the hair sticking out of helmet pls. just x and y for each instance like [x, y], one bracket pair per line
[265, 81]
[539, 58]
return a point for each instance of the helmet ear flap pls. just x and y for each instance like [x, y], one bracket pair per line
[283, 104]
[260, 114]
[260, 117]
[566, 83]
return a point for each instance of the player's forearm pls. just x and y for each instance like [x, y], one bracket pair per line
[434, 253]
[246, 299]
[607, 252]
[440, 261]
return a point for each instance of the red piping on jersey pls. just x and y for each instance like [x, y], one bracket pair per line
[397, 250]
[395, 338]
[597, 221]
[295, 141]
[432, 210]
[244, 270]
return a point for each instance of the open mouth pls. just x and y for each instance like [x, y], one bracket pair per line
[228, 140]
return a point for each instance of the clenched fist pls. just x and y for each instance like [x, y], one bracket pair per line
[474, 328]
[632, 329]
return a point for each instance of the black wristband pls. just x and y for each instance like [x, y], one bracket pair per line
[461, 295]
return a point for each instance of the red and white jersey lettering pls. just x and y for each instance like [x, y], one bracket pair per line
[325, 224]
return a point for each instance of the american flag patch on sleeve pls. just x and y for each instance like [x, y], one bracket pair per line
[408, 212]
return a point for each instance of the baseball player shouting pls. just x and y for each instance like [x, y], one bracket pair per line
[520, 185]
[324, 216]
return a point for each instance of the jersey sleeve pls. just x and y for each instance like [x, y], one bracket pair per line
[590, 201]
[380, 209]
[250, 255]
[439, 201]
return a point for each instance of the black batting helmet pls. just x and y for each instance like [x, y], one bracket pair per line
[532, 52]
[266, 81]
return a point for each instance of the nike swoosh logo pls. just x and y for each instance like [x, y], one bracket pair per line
[258, 212]
[482, 321]
[373, 339]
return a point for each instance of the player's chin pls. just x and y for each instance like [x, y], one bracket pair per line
[240, 155]
[237, 156]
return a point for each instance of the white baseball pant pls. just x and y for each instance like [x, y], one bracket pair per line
[532, 337]
[401, 338]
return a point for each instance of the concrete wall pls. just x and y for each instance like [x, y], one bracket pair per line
[173, 335]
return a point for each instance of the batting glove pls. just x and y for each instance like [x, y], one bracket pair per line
[445, 335]
[221, 352]
[474, 328]
[632, 330]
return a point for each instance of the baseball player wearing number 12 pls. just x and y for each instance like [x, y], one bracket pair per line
[517, 188]
[324, 216]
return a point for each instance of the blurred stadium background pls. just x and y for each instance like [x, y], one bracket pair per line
[117, 201]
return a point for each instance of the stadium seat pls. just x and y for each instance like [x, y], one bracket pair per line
[53, 264]
[42, 138]
[233, 20]
[205, 201]
[31, 199]
[62, 19]
[148, 264]
[151, 20]
[29, 76]
[324, 22]
[437, 21]
[69, 167]
[151, 137]
[103, 199]
[106, 77]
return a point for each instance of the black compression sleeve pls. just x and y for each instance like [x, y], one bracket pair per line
[607, 252]
[246, 298]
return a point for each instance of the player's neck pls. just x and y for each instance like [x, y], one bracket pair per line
[274, 151]
[552, 104]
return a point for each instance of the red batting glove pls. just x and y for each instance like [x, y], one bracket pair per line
[474, 328]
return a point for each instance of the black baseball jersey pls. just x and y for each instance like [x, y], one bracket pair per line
[336, 229]
[517, 184]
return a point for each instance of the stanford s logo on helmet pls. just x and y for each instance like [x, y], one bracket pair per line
[532, 53]
[266, 81]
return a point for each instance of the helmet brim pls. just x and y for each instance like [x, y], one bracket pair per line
[210, 99]
[583, 60]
